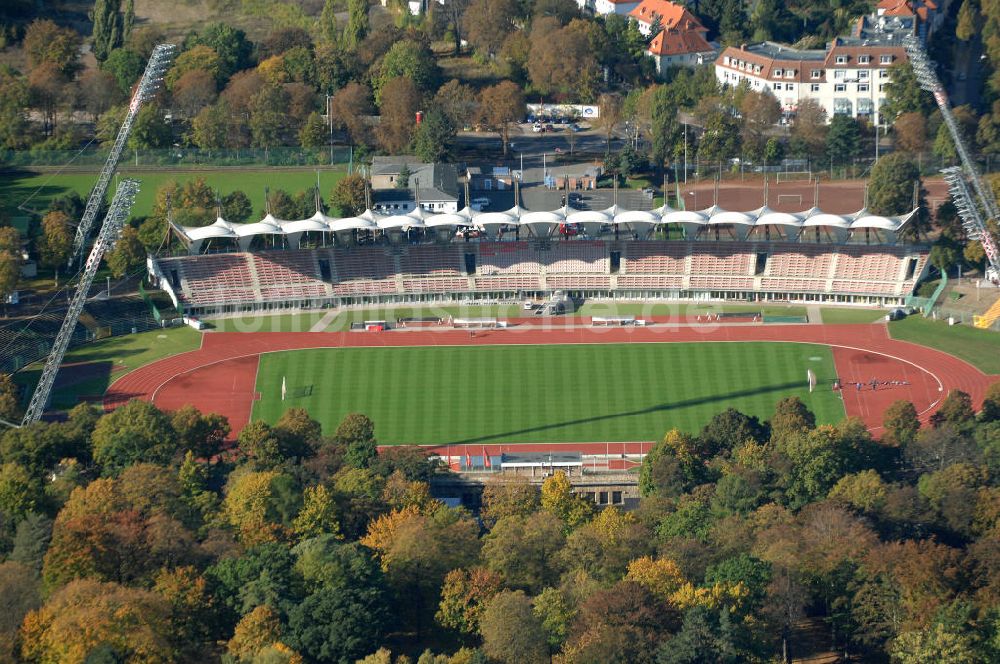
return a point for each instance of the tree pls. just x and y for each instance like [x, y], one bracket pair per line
[328, 21]
[150, 130]
[339, 623]
[457, 102]
[487, 23]
[318, 515]
[10, 407]
[761, 111]
[433, 136]
[313, 133]
[47, 92]
[127, 254]
[260, 505]
[507, 497]
[13, 102]
[357, 434]
[501, 105]
[126, 66]
[20, 593]
[349, 195]
[524, 550]
[98, 92]
[910, 130]
[20, 493]
[790, 417]
[809, 128]
[56, 240]
[350, 105]
[511, 632]
[464, 597]
[562, 59]
[136, 432]
[890, 188]
[195, 90]
[47, 43]
[901, 424]
[410, 59]
[559, 499]
[109, 28]
[87, 617]
[255, 631]
[236, 206]
[956, 408]
[357, 23]
[968, 21]
[935, 645]
[235, 51]
[843, 140]
[201, 434]
[622, 623]
[10, 261]
[903, 93]
[400, 103]
[610, 114]
[705, 636]
[943, 255]
[268, 116]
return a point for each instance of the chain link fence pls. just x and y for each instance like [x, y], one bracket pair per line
[94, 157]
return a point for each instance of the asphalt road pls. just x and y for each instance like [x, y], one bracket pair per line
[523, 142]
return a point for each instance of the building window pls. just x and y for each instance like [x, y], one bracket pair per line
[841, 59]
[863, 74]
[883, 73]
[778, 73]
[885, 59]
[814, 87]
[881, 88]
[840, 74]
[815, 73]
[789, 73]
[789, 86]
[862, 87]
[864, 59]
[776, 86]
[840, 87]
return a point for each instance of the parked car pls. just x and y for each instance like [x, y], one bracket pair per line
[549, 127]
[575, 127]
[537, 128]
[480, 202]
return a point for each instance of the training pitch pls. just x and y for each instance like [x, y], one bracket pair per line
[543, 393]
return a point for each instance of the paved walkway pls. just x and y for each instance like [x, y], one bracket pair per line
[322, 323]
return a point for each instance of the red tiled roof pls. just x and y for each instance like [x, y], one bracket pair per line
[678, 42]
[671, 15]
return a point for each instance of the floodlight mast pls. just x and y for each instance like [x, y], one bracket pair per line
[148, 84]
[121, 207]
[959, 177]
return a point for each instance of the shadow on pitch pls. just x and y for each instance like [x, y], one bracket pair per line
[663, 407]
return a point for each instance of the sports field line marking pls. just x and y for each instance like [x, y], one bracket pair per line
[201, 344]
[582, 343]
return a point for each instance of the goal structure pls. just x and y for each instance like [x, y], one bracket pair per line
[811, 379]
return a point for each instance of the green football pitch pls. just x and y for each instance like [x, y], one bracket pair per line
[544, 393]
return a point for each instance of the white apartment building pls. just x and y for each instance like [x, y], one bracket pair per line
[604, 7]
[848, 77]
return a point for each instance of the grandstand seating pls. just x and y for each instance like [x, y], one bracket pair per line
[656, 258]
[215, 281]
[431, 261]
[508, 258]
[577, 257]
[800, 260]
[720, 258]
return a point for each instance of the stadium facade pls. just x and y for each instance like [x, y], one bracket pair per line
[711, 254]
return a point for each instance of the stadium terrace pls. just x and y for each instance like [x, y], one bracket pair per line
[507, 256]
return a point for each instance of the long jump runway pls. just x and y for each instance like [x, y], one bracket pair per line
[221, 375]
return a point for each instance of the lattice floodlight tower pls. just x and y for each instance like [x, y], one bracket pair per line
[121, 207]
[959, 178]
[148, 84]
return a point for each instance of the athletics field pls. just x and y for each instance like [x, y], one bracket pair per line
[543, 393]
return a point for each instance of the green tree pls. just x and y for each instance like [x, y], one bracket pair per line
[356, 433]
[313, 133]
[47, 43]
[556, 613]
[511, 632]
[843, 140]
[524, 550]
[937, 644]
[31, 540]
[10, 407]
[559, 499]
[890, 188]
[268, 116]
[943, 255]
[411, 59]
[13, 104]
[903, 93]
[201, 434]
[318, 515]
[513, 496]
[234, 50]
[349, 195]
[236, 206]
[357, 23]
[901, 424]
[464, 597]
[10, 261]
[136, 432]
[968, 20]
[109, 29]
[432, 138]
[705, 636]
[328, 21]
[126, 66]
[150, 129]
[20, 493]
[20, 592]
[128, 253]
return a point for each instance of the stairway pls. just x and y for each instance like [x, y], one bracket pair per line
[987, 319]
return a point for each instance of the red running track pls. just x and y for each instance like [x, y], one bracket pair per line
[221, 375]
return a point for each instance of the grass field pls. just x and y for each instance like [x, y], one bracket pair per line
[980, 348]
[545, 393]
[16, 190]
[836, 315]
[107, 360]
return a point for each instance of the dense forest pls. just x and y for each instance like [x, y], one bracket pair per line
[141, 536]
